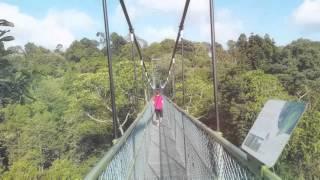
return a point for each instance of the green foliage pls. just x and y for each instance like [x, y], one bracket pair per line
[243, 97]
[198, 93]
[63, 169]
[117, 42]
[67, 119]
[25, 168]
[55, 116]
[85, 48]
[297, 68]
[91, 92]
[300, 159]
[301, 72]
[13, 83]
[22, 170]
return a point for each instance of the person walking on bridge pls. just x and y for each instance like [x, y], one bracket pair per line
[158, 105]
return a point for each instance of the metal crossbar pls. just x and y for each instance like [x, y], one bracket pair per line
[180, 147]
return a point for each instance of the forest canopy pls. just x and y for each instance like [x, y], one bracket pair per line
[55, 108]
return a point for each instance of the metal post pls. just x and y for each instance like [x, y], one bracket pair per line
[147, 91]
[175, 124]
[214, 63]
[134, 67]
[160, 151]
[106, 27]
[184, 144]
[134, 156]
[183, 84]
[144, 87]
[173, 82]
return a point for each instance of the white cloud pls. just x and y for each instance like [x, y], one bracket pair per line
[227, 27]
[163, 5]
[158, 34]
[63, 26]
[307, 15]
[56, 27]
[118, 21]
[197, 23]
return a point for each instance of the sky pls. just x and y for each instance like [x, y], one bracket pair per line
[48, 23]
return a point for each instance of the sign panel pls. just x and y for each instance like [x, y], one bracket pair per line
[272, 129]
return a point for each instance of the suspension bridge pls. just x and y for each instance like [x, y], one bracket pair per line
[180, 147]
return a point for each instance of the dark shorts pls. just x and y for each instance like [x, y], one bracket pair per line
[159, 113]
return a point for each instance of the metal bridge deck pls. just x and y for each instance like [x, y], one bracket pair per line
[163, 159]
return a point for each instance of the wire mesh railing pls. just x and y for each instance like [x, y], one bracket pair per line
[194, 150]
[125, 160]
[203, 156]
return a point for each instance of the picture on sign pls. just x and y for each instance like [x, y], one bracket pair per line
[272, 130]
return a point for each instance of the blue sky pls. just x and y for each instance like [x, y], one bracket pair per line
[48, 23]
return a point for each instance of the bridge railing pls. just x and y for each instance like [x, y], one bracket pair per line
[127, 157]
[204, 153]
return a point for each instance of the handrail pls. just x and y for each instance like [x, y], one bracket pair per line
[103, 163]
[253, 165]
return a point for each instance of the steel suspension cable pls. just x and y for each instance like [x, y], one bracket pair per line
[124, 9]
[214, 63]
[173, 82]
[113, 103]
[182, 62]
[181, 26]
[134, 68]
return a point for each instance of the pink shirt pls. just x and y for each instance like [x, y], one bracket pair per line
[158, 102]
